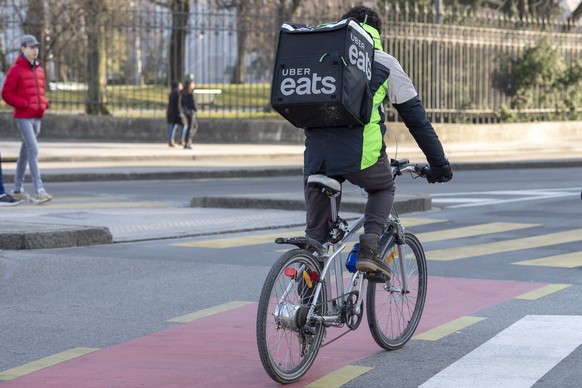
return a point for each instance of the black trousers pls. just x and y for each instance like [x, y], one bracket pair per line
[378, 183]
[191, 129]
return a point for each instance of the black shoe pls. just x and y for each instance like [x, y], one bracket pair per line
[7, 200]
[187, 147]
[369, 255]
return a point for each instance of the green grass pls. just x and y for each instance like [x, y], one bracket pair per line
[235, 101]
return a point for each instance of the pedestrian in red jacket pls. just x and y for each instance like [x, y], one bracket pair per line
[24, 90]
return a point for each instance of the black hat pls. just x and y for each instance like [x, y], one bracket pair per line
[29, 41]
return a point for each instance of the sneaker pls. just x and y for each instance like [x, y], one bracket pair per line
[7, 200]
[22, 195]
[369, 255]
[42, 196]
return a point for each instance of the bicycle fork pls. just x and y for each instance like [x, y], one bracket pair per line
[399, 255]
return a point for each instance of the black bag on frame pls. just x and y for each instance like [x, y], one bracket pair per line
[322, 75]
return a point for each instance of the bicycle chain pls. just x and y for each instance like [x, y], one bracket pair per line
[339, 336]
[336, 338]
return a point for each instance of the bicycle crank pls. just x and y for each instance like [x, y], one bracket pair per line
[351, 314]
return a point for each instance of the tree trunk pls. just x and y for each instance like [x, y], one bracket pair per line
[180, 14]
[575, 17]
[96, 59]
[239, 71]
[35, 22]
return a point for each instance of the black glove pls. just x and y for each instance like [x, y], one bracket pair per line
[440, 174]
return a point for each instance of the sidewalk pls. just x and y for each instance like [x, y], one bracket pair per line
[32, 227]
[90, 159]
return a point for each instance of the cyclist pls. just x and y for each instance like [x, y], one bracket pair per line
[358, 154]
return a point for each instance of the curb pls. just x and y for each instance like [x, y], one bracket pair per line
[200, 173]
[405, 203]
[249, 172]
[27, 236]
[517, 164]
[43, 236]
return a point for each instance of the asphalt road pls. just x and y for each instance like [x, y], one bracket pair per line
[504, 250]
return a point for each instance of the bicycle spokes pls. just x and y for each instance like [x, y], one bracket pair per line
[395, 307]
[287, 339]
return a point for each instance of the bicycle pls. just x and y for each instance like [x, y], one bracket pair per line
[297, 302]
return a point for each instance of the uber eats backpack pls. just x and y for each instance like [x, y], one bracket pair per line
[322, 75]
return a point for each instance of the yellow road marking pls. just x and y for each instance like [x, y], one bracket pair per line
[568, 260]
[208, 312]
[45, 363]
[270, 238]
[448, 328]
[412, 221]
[339, 377]
[543, 291]
[470, 231]
[239, 241]
[505, 246]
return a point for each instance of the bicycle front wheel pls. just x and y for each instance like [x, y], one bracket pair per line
[287, 342]
[394, 312]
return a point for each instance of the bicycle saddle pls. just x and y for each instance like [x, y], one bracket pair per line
[325, 181]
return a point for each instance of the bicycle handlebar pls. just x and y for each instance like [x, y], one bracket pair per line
[402, 166]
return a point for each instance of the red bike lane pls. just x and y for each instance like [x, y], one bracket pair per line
[221, 351]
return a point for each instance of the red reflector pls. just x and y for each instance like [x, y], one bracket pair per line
[290, 272]
[314, 276]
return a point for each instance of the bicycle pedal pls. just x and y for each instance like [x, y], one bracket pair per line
[376, 277]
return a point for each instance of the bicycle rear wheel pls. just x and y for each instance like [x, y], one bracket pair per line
[394, 313]
[287, 343]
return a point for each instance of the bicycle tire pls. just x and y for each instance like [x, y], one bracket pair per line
[285, 350]
[393, 316]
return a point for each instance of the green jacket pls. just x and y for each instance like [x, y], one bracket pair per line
[343, 150]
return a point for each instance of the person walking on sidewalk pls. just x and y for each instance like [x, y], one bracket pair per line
[24, 90]
[6, 199]
[173, 113]
[358, 154]
[188, 105]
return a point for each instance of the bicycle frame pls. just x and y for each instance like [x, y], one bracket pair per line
[294, 304]
[357, 279]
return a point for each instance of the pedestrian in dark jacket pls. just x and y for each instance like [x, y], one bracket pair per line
[24, 90]
[188, 105]
[173, 113]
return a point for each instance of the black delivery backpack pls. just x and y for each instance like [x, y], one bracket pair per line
[322, 75]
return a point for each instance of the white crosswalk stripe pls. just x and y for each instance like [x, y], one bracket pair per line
[472, 199]
[556, 336]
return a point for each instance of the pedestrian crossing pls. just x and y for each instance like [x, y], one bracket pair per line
[568, 260]
[498, 197]
[472, 231]
[504, 246]
[511, 358]
[467, 249]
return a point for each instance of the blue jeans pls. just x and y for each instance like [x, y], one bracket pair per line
[29, 130]
[172, 131]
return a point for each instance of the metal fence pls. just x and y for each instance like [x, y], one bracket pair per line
[456, 60]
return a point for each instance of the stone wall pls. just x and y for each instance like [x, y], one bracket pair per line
[145, 130]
